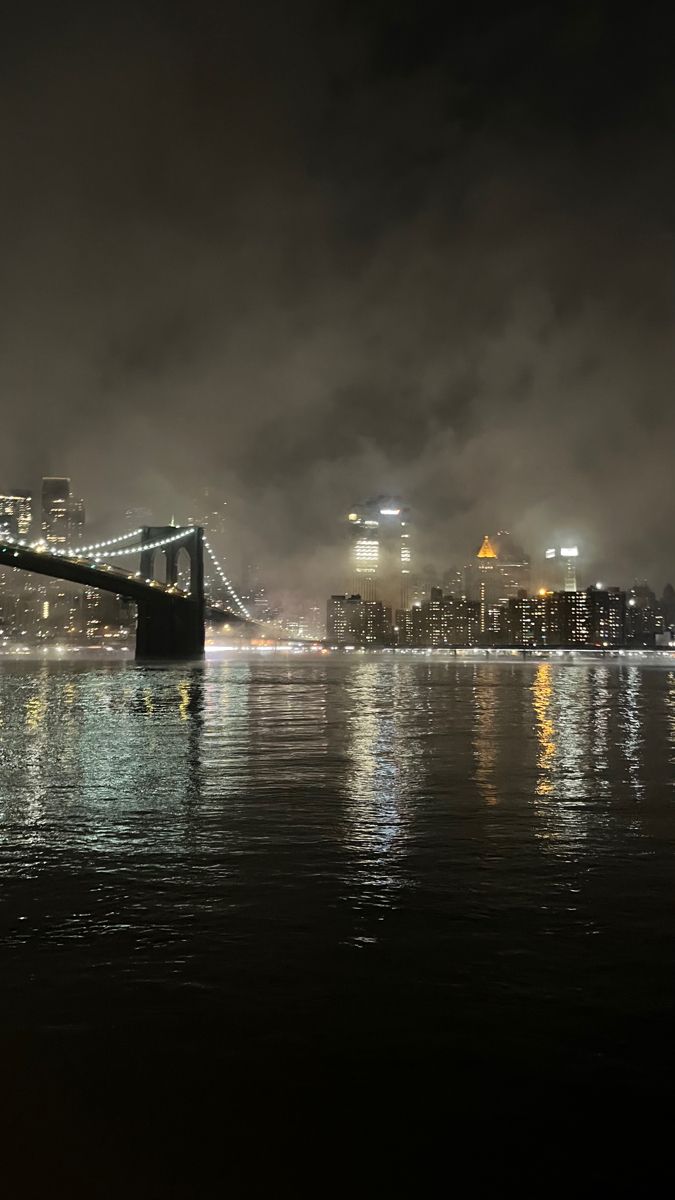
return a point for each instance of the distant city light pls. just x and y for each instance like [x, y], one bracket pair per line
[390, 512]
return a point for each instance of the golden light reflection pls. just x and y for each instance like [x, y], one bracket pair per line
[542, 693]
[184, 705]
[36, 709]
[148, 701]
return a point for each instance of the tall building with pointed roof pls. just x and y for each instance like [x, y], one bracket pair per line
[499, 572]
[487, 550]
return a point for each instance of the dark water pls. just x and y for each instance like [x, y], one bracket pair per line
[350, 903]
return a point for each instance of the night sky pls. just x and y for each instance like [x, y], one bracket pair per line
[310, 252]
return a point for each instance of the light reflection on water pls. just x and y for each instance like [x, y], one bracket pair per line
[159, 822]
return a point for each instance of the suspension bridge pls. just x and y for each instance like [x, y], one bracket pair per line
[170, 616]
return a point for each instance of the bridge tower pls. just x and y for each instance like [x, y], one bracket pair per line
[172, 628]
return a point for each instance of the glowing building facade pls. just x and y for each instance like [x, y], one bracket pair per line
[380, 552]
[62, 515]
[344, 620]
[561, 568]
[500, 572]
[16, 513]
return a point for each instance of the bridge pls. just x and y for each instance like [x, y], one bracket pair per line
[170, 623]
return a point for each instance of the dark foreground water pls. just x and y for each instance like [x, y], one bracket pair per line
[261, 911]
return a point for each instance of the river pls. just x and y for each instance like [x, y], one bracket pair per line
[275, 879]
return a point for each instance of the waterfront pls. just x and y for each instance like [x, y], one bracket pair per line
[281, 870]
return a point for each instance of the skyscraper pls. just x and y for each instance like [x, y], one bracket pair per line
[210, 512]
[62, 515]
[500, 572]
[561, 568]
[16, 512]
[380, 551]
[514, 566]
[344, 620]
[55, 506]
[483, 581]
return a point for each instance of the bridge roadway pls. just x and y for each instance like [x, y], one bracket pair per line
[169, 619]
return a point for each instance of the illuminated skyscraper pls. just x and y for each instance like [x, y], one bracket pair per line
[380, 551]
[561, 568]
[514, 566]
[62, 515]
[16, 512]
[55, 506]
[344, 620]
[500, 572]
[487, 581]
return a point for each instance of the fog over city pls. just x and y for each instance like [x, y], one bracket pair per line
[304, 255]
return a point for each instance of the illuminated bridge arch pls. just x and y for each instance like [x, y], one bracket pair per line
[170, 618]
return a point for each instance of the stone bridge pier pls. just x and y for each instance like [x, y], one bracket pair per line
[171, 628]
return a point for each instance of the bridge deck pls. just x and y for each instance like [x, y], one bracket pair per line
[104, 576]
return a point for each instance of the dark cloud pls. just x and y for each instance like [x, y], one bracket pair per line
[307, 253]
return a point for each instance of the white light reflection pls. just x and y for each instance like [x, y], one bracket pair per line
[630, 722]
[485, 698]
[670, 714]
[384, 775]
[601, 696]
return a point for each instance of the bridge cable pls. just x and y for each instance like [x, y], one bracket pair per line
[242, 607]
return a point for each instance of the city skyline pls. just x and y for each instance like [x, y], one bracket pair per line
[221, 521]
[337, 595]
[300, 327]
[564, 566]
[494, 600]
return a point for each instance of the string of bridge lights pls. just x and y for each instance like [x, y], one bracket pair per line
[101, 550]
[98, 550]
[226, 581]
[182, 533]
[123, 537]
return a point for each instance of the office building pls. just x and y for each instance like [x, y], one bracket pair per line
[569, 619]
[76, 515]
[62, 515]
[55, 506]
[608, 616]
[500, 572]
[375, 624]
[483, 582]
[561, 568]
[441, 621]
[380, 551]
[344, 620]
[408, 629]
[434, 623]
[513, 566]
[16, 513]
[525, 621]
[646, 618]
